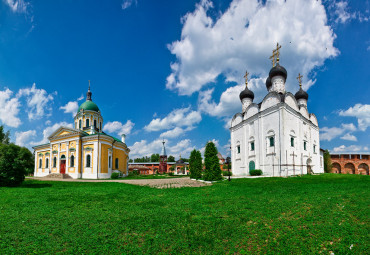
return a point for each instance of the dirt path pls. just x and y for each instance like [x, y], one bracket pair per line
[155, 183]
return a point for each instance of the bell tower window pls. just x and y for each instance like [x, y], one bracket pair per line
[87, 122]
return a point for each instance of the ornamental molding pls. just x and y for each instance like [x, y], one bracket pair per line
[72, 149]
[55, 152]
[88, 149]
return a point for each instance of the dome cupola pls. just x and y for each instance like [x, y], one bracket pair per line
[89, 105]
[277, 74]
[301, 96]
[268, 83]
[278, 70]
[246, 96]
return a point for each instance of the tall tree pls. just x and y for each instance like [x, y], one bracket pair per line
[154, 158]
[171, 158]
[327, 162]
[4, 136]
[212, 171]
[195, 164]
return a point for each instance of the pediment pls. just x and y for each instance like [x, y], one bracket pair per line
[62, 132]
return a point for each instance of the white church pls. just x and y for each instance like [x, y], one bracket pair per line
[278, 135]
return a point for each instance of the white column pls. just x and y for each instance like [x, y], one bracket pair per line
[67, 158]
[36, 166]
[58, 163]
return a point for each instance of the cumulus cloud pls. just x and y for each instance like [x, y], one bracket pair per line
[9, 109]
[176, 132]
[349, 149]
[361, 112]
[49, 130]
[19, 6]
[119, 128]
[23, 138]
[331, 133]
[202, 150]
[127, 3]
[349, 137]
[243, 37]
[143, 148]
[38, 102]
[183, 117]
[70, 107]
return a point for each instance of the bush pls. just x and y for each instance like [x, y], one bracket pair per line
[212, 171]
[171, 174]
[227, 173]
[255, 172]
[14, 162]
[114, 176]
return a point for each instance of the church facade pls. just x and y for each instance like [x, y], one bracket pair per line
[278, 135]
[84, 151]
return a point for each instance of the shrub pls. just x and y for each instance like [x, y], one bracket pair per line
[114, 176]
[14, 162]
[195, 164]
[171, 174]
[212, 171]
[227, 173]
[255, 172]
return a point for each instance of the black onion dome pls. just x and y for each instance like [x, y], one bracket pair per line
[246, 93]
[268, 83]
[278, 70]
[301, 94]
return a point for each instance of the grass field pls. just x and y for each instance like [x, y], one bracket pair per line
[300, 215]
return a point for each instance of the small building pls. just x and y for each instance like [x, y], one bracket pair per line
[84, 151]
[350, 163]
[153, 167]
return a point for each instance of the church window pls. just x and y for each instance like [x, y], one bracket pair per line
[110, 161]
[292, 141]
[88, 160]
[252, 146]
[55, 162]
[40, 163]
[95, 124]
[272, 141]
[87, 122]
[238, 148]
[47, 163]
[314, 148]
[79, 124]
[72, 161]
[305, 145]
[116, 163]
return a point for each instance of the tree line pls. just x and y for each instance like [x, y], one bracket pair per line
[155, 158]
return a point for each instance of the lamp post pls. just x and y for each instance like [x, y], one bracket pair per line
[228, 165]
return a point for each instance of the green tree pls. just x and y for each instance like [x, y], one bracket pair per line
[14, 162]
[4, 136]
[154, 158]
[195, 164]
[171, 158]
[327, 162]
[212, 171]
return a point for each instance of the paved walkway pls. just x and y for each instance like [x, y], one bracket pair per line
[155, 183]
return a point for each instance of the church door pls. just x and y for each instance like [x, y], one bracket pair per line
[252, 166]
[63, 166]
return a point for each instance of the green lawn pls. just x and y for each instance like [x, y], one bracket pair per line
[300, 215]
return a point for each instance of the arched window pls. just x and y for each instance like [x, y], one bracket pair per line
[304, 145]
[252, 165]
[292, 141]
[272, 141]
[55, 162]
[79, 124]
[47, 163]
[88, 160]
[95, 124]
[252, 146]
[72, 161]
[109, 161]
[87, 122]
[116, 163]
[40, 163]
[63, 157]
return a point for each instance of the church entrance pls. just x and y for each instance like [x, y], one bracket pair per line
[63, 164]
[309, 162]
[252, 165]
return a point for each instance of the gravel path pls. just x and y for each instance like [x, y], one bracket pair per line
[155, 183]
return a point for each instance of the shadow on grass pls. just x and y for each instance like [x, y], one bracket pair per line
[36, 185]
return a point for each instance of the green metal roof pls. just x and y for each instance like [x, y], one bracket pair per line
[89, 105]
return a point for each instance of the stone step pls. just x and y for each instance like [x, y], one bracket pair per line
[58, 176]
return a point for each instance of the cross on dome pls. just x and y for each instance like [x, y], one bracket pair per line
[246, 78]
[275, 55]
[299, 78]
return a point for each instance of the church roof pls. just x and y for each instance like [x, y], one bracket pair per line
[301, 94]
[89, 105]
[278, 70]
[246, 93]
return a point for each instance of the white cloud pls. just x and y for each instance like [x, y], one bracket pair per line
[127, 3]
[361, 112]
[341, 12]
[183, 117]
[331, 133]
[38, 102]
[70, 107]
[202, 150]
[351, 148]
[143, 148]
[176, 132]
[17, 5]
[9, 109]
[349, 137]
[23, 138]
[119, 128]
[243, 38]
[49, 130]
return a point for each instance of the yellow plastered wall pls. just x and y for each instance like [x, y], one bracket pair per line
[104, 158]
[64, 133]
[63, 146]
[122, 160]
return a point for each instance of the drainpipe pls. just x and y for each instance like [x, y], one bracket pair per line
[112, 152]
[81, 155]
[97, 167]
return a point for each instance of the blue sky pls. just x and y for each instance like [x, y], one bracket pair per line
[173, 70]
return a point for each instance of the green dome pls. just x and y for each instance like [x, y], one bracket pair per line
[89, 106]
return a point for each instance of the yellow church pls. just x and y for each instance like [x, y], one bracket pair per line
[84, 151]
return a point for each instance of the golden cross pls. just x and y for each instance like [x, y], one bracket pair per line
[278, 47]
[272, 57]
[246, 78]
[299, 78]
